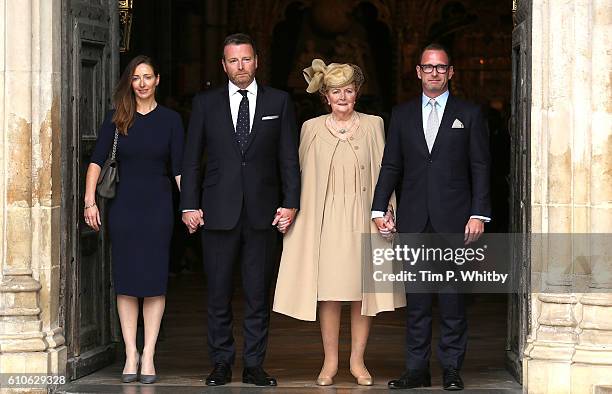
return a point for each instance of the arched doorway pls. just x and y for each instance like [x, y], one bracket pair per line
[383, 37]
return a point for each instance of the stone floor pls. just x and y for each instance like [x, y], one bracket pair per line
[295, 354]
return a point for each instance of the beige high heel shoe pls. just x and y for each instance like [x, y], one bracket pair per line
[323, 380]
[363, 380]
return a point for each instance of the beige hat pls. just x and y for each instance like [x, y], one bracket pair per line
[321, 77]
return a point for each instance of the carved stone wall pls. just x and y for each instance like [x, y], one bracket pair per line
[31, 340]
[570, 344]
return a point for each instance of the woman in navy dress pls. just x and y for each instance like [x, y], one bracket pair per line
[140, 217]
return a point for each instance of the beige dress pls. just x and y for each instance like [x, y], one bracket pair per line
[340, 256]
[333, 230]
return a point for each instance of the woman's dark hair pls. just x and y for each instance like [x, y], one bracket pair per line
[124, 99]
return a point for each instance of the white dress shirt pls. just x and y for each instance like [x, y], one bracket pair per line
[441, 100]
[426, 108]
[235, 98]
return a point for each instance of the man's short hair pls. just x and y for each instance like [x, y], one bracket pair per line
[434, 46]
[238, 39]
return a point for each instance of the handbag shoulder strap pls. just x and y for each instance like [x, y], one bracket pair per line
[114, 152]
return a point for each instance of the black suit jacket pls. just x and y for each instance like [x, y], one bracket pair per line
[266, 176]
[448, 185]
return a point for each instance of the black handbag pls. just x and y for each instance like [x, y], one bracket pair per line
[109, 175]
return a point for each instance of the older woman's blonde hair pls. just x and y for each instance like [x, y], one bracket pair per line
[321, 77]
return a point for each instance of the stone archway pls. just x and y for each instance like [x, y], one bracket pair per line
[569, 132]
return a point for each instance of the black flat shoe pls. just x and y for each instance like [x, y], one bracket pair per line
[258, 377]
[411, 379]
[147, 379]
[451, 380]
[220, 375]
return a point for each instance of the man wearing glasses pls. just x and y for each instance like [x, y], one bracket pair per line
[437, 160]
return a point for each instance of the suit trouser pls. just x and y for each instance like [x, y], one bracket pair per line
[255, 250]
[453, 327]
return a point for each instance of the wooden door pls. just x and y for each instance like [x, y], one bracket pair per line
[89, 71]
[520, 200]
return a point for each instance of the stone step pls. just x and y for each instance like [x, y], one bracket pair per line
[232, 388]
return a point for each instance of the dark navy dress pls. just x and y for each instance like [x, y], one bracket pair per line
[141, 217]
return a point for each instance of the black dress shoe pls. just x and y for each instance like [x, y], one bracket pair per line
[451, 380]
[411, 379]
[258, 377]
[220, 375]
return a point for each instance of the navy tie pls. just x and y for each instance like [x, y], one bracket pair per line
[243, 122]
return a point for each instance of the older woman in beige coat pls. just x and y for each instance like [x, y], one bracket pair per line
[323, 253]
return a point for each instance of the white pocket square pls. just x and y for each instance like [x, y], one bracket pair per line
[457, 124]
[269, 117]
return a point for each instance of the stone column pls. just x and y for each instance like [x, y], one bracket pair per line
[570, 342]
[593, 358]
[31, 340]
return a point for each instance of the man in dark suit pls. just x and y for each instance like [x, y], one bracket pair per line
[438, 149]
[252, 183]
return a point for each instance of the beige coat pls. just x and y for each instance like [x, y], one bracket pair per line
[296, 287]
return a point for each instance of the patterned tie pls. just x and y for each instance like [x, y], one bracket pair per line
[432, 125]
[243, 122]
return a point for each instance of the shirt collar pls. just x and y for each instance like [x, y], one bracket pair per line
[441, 99]
[233, 89]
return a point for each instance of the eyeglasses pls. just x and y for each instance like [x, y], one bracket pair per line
[440, 68]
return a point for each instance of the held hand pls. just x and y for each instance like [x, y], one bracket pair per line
[380, 224]
[193, 220]
[201, 217]
[473, 230]
[386, 226]
[390, 221]
[92, 217]
[284, 218]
